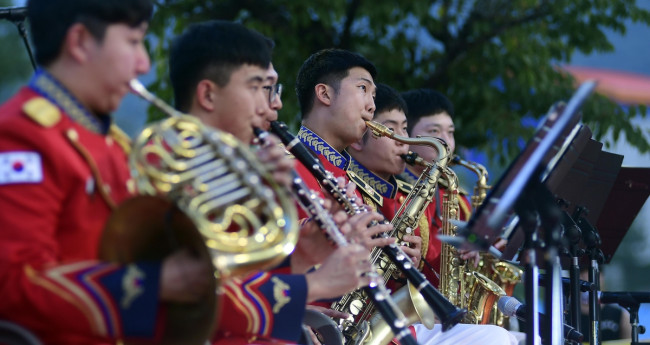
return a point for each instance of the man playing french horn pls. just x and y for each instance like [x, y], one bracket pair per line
[64, 171]
[231, 86]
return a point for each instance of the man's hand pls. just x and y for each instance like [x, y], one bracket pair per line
[357, 230]
[343, 271]
[275, 160]
[184, 278]
[414, 250]
[313, 246]
[472, 256]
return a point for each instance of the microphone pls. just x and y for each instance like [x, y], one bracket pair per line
[625, 298]
[585, 286]
[13, 13]
[510, 306]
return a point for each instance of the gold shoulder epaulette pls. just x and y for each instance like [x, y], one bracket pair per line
[42, 111]
[366, 188]
[404, 186]
[121, 138]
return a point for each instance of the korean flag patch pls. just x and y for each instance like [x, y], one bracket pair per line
[20, 167]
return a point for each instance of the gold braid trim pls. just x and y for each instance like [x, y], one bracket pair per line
[121, 138]
[73, 137]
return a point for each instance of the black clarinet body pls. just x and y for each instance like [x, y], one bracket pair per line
[448, 314]
[376, 291]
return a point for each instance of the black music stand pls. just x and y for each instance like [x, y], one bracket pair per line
[521, 189]
[628, 195]
[583, 192]
[626, 198]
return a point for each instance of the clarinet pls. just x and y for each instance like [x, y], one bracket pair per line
[312, 204]
[448, 314]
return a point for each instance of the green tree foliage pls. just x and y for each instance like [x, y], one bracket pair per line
[497, 60]
[15, 67]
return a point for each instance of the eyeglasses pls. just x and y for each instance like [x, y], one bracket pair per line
[275, 92]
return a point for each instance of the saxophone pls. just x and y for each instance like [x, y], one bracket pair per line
[459, 282]
[504, 274]
[425, 299]
[412, 303]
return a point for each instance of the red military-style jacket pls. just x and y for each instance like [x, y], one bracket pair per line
[387, 197]
[62, 171]
[262, 307]
[332, 160]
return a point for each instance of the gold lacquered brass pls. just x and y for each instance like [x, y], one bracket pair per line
[204, 191]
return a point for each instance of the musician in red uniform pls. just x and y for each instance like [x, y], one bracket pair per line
[63, 170]
[230, 86]
[431, 114]
[377, 161]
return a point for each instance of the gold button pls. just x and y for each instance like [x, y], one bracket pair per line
[109, 141]
[107, 188]
[130, 186]
[72, 134]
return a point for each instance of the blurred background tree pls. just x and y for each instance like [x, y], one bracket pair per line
[497, 60]
[15, 67]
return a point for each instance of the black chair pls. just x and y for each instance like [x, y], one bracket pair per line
[13, 334]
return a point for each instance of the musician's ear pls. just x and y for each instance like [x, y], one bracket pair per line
[205, 95]
[323, 93]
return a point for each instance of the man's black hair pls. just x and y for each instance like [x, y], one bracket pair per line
[388, 99]
[425, 102]
[328, 66]
[213, 50]
[50, 20]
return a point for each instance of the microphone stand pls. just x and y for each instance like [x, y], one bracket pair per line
[592, 241]
[20, 25]
[550, 215]
[536, 206]
[528, 222]
[634, 322]
[19, 21]
[573, 235]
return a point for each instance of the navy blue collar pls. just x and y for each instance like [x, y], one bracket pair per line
[47, 86]
[321, 147]
[387, 189]
[408, 176]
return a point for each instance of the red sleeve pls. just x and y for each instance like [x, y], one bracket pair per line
[263, 305]
[50, 282]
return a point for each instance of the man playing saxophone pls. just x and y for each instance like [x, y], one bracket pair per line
[231, 85]
[377, 161]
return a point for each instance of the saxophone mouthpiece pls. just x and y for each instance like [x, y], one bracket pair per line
[412, 158]
[379, 130]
